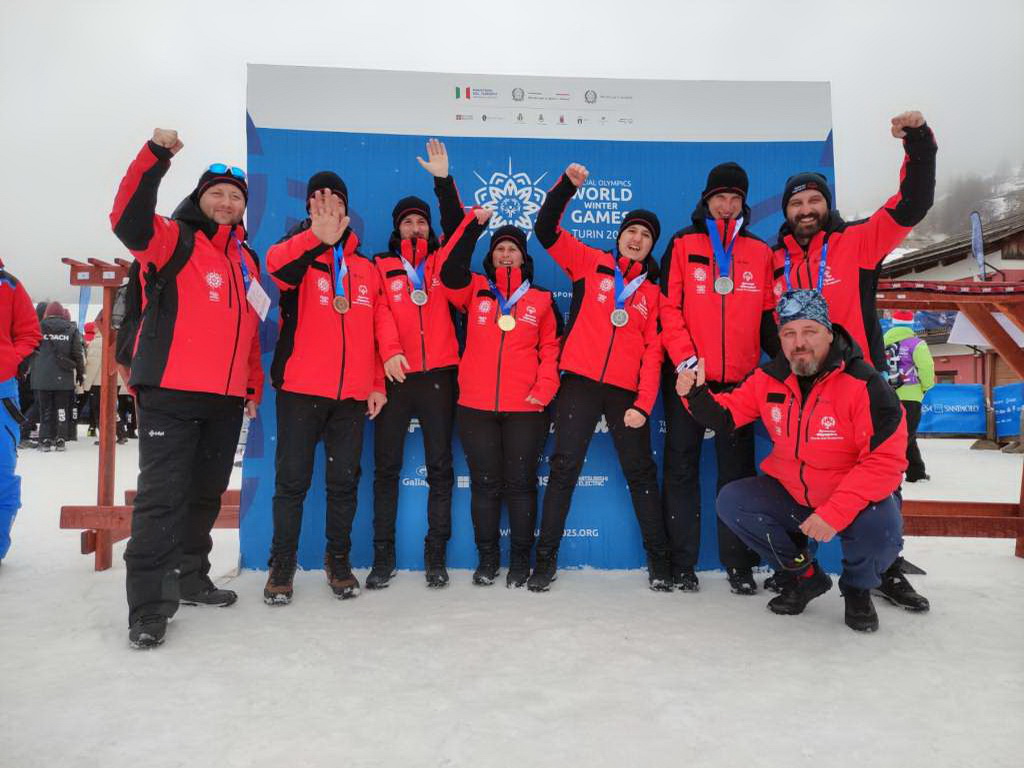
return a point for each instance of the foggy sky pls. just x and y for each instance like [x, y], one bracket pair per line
[83, 84]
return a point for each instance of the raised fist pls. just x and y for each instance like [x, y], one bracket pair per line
[483, 215]
[168, 139]
[577, 174]
[906, 120]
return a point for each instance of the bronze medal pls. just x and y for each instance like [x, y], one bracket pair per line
[340, 304]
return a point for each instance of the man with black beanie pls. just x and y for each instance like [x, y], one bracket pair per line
[817, 249]
[717, 302]
[337, 341]
[196, 370]
[425, 388]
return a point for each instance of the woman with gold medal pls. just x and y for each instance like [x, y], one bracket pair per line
[507, 377]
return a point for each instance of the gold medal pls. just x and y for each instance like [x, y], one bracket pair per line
[506, 323]
[340, 305]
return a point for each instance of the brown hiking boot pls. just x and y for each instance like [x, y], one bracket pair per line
[278, 590]
[343, 582]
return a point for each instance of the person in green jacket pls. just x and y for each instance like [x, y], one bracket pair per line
[911, 374]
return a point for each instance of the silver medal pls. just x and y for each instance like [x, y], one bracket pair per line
[620, 317]
[723, 286]
[419, 297]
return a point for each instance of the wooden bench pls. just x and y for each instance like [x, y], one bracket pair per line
[106, 525]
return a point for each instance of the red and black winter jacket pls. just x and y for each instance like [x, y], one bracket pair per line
[856, 248]
[500, 369]
[628, 357]
[206, 336]
[19, 325]
[426, 333]
[838, 450]
[727, 331]
[319, 351]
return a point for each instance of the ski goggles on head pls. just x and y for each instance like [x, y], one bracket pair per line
[224, 168]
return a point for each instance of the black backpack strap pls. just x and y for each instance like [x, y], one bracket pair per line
[158, 279]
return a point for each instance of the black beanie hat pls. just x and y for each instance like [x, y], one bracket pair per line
[326, 180]
[800, 182]
[726, 177]
[210, 178]
[508, 232]
[645, 218]
[408, 205]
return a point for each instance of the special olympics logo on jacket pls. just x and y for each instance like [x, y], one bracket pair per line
[514, 198]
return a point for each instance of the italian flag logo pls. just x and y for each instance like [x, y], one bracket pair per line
[462, 93]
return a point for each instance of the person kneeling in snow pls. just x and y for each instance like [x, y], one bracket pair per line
[838, 457]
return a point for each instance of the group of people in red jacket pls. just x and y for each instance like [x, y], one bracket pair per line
[377, 337]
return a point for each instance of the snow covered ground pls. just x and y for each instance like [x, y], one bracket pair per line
[599, 672]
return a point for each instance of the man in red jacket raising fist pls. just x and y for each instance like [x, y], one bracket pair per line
[838, 457]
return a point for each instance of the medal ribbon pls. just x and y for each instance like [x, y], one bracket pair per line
[415, 273]
[246, 279]
[505, 305]
[723, 255]
[340, 270]
[821, 268]
[622, 290]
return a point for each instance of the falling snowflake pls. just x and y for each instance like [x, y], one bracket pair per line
[514, 198]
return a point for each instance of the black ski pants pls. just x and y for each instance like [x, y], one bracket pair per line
[430, 398]
[302, 422]
[680, 495]
[55, 413]
[187, 444]
[915, 462]
[503, 450]
[579, 406]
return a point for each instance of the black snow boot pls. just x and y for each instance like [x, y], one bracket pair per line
[147, 632]
[685, 580]
[860, 611]
[278, 590]
[210, 595]
[659, 571]
[434, 557]
[741, 581]
[343, 582]
[773, 583]
[544, 572]
[799, 589]
[518, 567]
[488, 567]
[383, 565]
[897, 590]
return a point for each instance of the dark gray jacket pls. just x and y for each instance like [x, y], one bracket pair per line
[60, 358]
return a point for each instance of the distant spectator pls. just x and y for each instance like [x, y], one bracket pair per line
[59, 364]
[911, 374]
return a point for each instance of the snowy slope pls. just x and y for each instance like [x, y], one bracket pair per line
[599, 672]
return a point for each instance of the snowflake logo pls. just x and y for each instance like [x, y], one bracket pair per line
[700, 274]
[214, 279]
[485, 305]
[776, 413]
[323, 284]
[606, 284]
[514, 197]
[396, 285]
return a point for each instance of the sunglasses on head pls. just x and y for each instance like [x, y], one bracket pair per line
[234, 170]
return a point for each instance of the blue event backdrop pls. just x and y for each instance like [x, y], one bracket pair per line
[512, 174]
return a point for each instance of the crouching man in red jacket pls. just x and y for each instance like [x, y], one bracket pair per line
[839, 453]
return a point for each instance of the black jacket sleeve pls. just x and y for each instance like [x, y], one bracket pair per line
[707, 411]
[551, 211]
[455, 273]
[917, 187]
[770, 334]
[450, 204]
